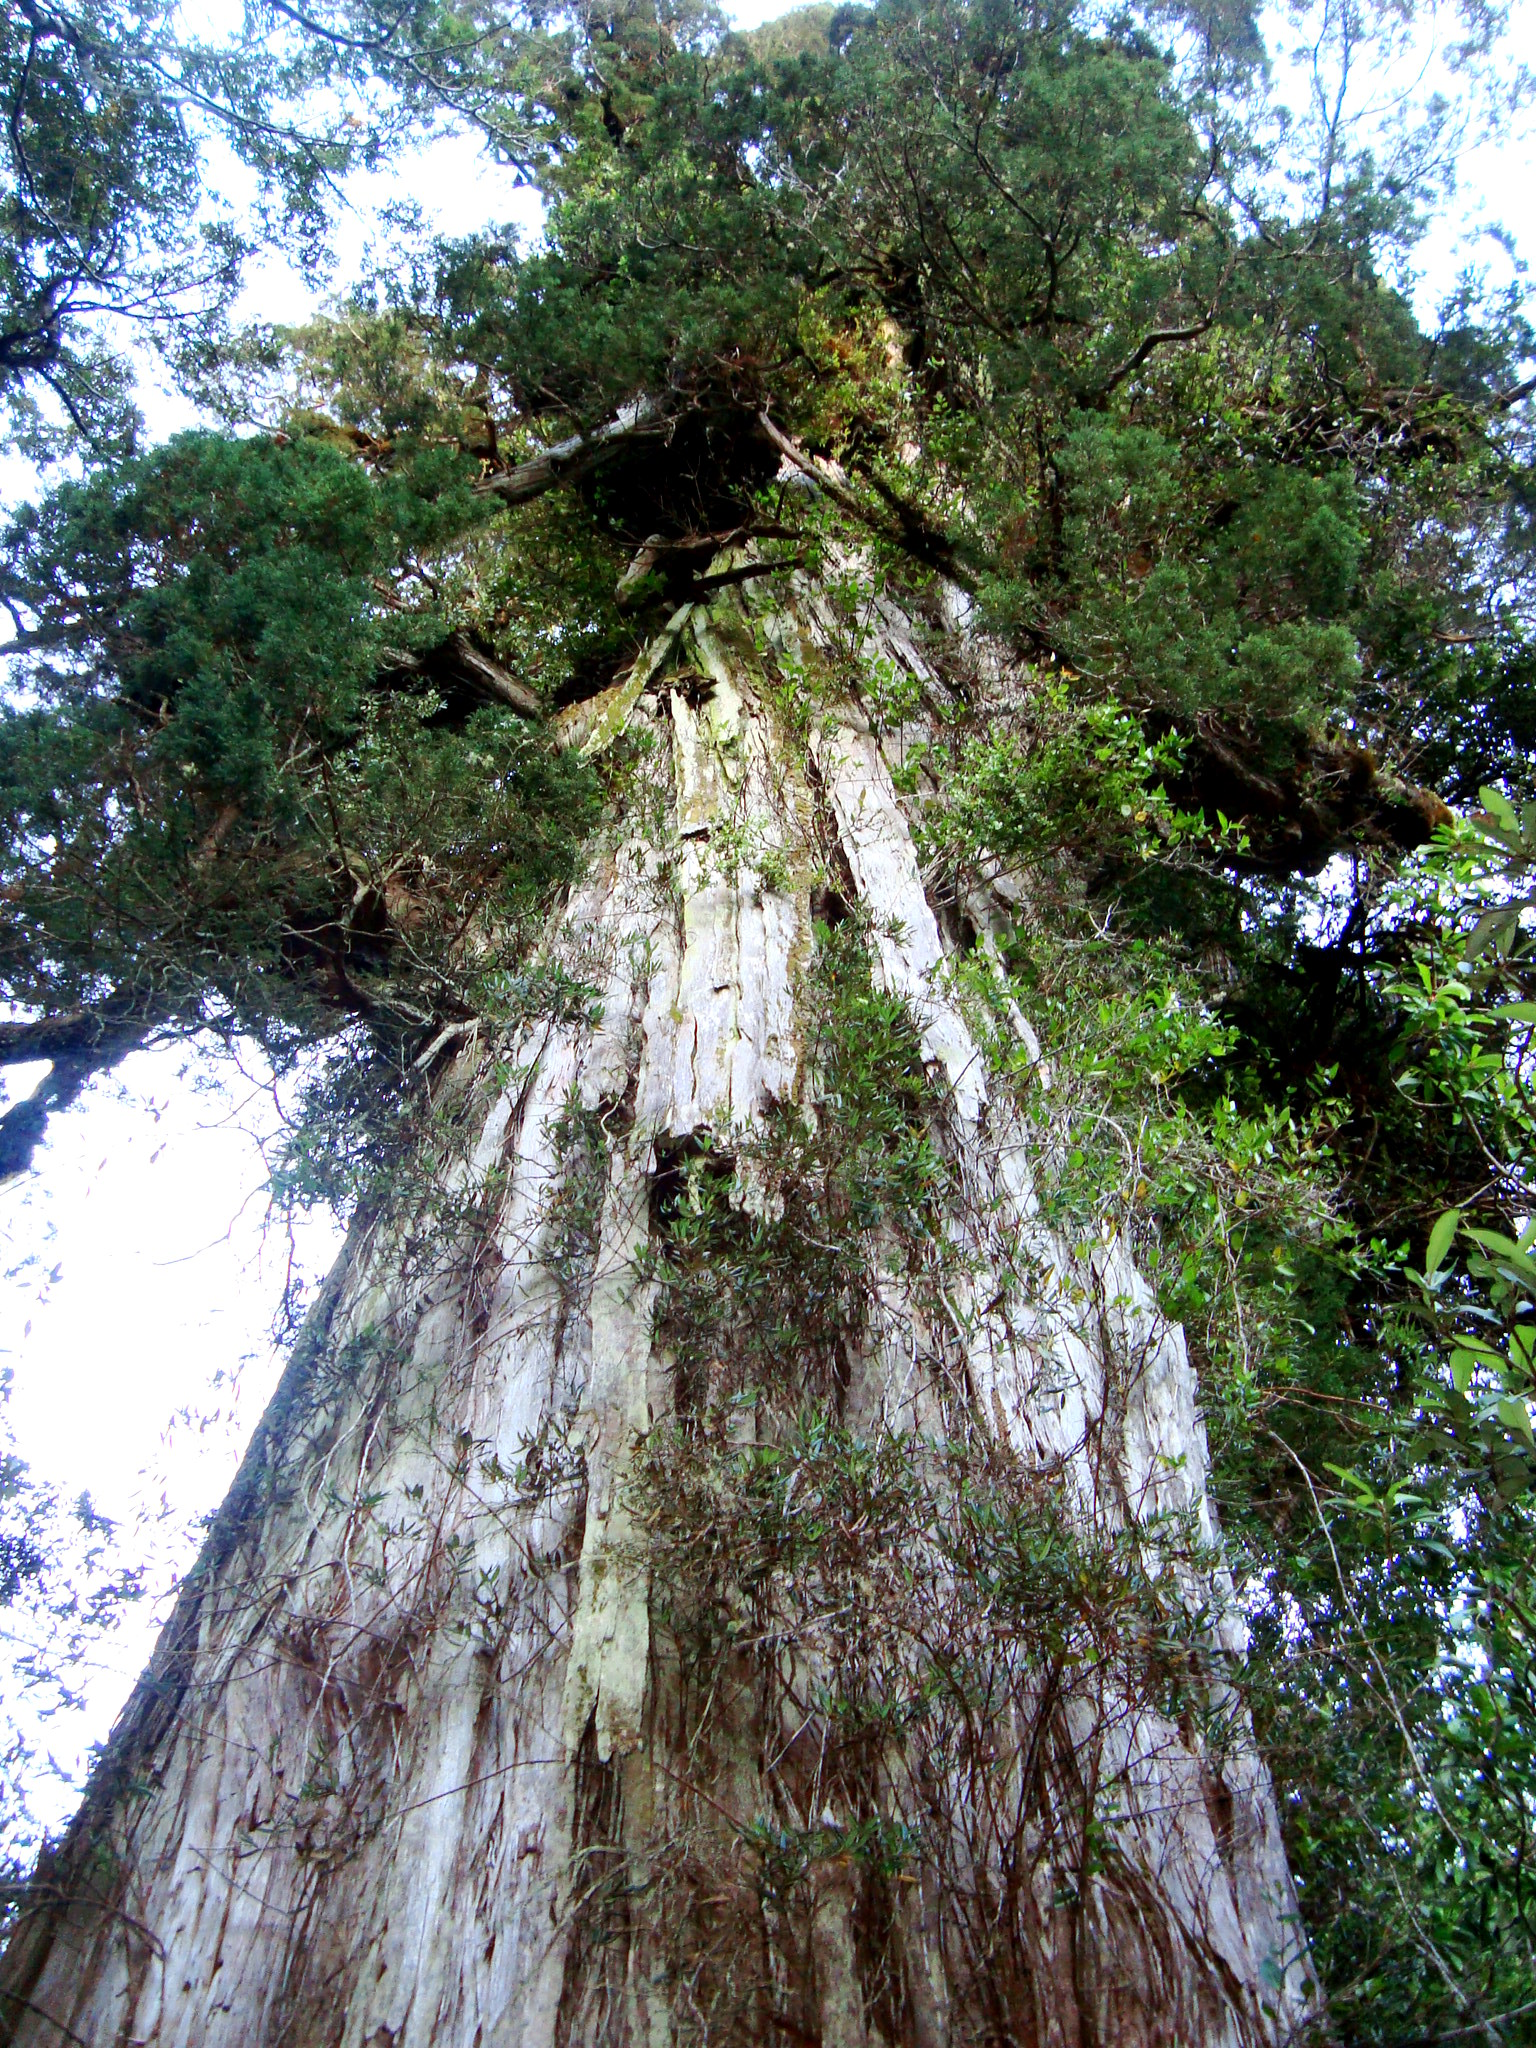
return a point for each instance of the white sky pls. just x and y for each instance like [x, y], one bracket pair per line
[135, 1285]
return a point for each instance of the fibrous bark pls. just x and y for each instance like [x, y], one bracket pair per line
[451, 1742]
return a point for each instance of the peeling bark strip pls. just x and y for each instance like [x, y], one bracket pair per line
[610, 1636]
[431, 1751]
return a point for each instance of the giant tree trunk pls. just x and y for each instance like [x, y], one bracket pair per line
[672, 1596]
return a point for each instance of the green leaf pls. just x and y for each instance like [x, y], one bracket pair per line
[1516, 1415]
[1518, 1265]
[1363, 1494]
[1440, 1238]
[1499, 807]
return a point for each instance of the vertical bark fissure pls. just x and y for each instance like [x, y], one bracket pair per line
[428, 1754]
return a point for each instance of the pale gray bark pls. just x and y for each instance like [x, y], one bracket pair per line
[416, 1711]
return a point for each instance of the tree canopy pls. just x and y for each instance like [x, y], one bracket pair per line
[1042, 309]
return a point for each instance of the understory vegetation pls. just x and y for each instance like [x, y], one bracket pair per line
[1039, 324]
[862, 1577]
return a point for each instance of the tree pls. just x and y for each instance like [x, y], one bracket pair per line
[929, 550]
[107, 236]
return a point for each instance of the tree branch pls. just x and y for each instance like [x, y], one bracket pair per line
[24, 1124]
[497, 679]
[73, 1034]
[1164, 337]
[566, 461]
[81, 1044]
[820, 472]
[479, 670]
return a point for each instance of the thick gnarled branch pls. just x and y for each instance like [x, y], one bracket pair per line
[80, 1044]
[568, 461]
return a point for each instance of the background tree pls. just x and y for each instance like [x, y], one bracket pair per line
[935, 513]
[111, 235]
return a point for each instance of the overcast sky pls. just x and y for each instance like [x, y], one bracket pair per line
[137, 1290]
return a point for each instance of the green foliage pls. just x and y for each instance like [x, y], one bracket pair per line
[1368, 1394]
[106, 114]
[97, 185]
[211, 806]
[892, 1595]
[1059, 770]
[763, 1263]
[1245, 614]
